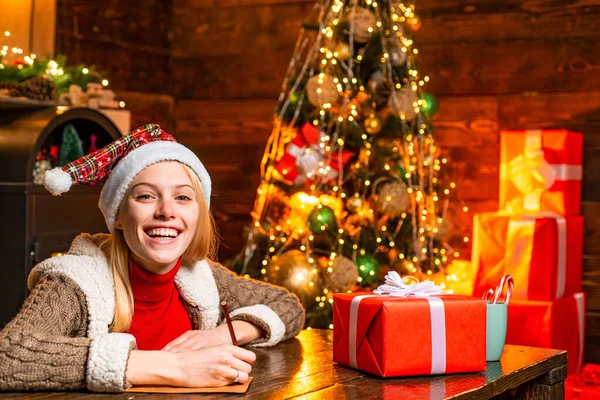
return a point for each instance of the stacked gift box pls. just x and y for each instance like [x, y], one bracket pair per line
[537, 237]
[585, 385]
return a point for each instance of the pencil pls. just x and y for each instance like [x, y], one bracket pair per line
[229, 324]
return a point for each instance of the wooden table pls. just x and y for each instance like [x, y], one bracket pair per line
[303, 368]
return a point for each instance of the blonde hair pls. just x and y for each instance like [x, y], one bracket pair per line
[203, 245]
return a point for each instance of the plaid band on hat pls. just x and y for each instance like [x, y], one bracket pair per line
[96, 167]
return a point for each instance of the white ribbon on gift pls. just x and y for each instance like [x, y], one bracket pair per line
[580, 302]
[532, 175]
[397, 287]
[519, 249]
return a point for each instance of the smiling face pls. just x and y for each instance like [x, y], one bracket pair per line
[159, 216]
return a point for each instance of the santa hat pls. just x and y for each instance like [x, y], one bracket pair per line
[119, 162]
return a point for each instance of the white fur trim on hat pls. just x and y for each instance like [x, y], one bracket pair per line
[57, 181]
[123, 173]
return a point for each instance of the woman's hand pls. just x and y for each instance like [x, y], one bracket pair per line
[199, 339]
[214, 366]
[208, 367]
[245, 332]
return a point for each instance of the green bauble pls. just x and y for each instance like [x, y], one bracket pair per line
[294, 97]
[368, 268]
[429, 105]
[401, 171]
[321, 219]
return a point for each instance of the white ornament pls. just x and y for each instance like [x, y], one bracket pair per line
[321, 89]
[308, 161]
[393, 199]
[362, 23]
[403, 102]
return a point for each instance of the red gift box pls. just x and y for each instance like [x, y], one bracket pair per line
[541, 171]
[543, 253]
[404, 336]
[585, 385]
[559, 324]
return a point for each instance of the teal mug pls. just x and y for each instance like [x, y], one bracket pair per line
[497, 318]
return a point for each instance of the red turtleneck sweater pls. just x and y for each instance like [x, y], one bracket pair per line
[158, 312]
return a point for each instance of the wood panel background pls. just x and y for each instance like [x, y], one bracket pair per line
[128, 41]
[212, 70]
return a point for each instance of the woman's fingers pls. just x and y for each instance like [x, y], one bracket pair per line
[243, 354]
[242, 378]
[241, 366]
[175, 342]
[181, 346]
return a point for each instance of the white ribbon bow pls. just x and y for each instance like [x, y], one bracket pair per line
[395, 285]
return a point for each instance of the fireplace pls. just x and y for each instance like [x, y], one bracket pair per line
[34, 224]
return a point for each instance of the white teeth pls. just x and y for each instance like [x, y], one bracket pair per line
[162, 232]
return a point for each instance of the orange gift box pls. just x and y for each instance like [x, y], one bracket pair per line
[558, 324]
[404, 336]
[541, 170]
[542, 252]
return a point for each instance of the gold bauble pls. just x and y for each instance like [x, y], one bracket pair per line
[321, 89]
[362, 23]
[355, 203]
[343, 275]
[343, 51]
[372, 125]
[403, 102]
[393, 199]
[293, 271]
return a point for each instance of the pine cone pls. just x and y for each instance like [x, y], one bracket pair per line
[13, 89]
[15, 93]
[40, 88]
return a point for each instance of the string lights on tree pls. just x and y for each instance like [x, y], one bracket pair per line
[351, 175]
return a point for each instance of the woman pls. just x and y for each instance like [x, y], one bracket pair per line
[141, 305]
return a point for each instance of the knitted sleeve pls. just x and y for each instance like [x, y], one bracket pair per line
[42, 347]
[275, 310]
[45, 346]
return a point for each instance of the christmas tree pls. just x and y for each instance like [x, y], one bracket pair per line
[71, 148]
[351, 185]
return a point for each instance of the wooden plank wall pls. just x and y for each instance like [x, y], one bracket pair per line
[494, 64]
[129, 42]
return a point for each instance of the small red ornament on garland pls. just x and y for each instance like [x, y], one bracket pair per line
[415, 23]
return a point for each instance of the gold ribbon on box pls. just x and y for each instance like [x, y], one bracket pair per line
[526, 178]
[530, 173]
